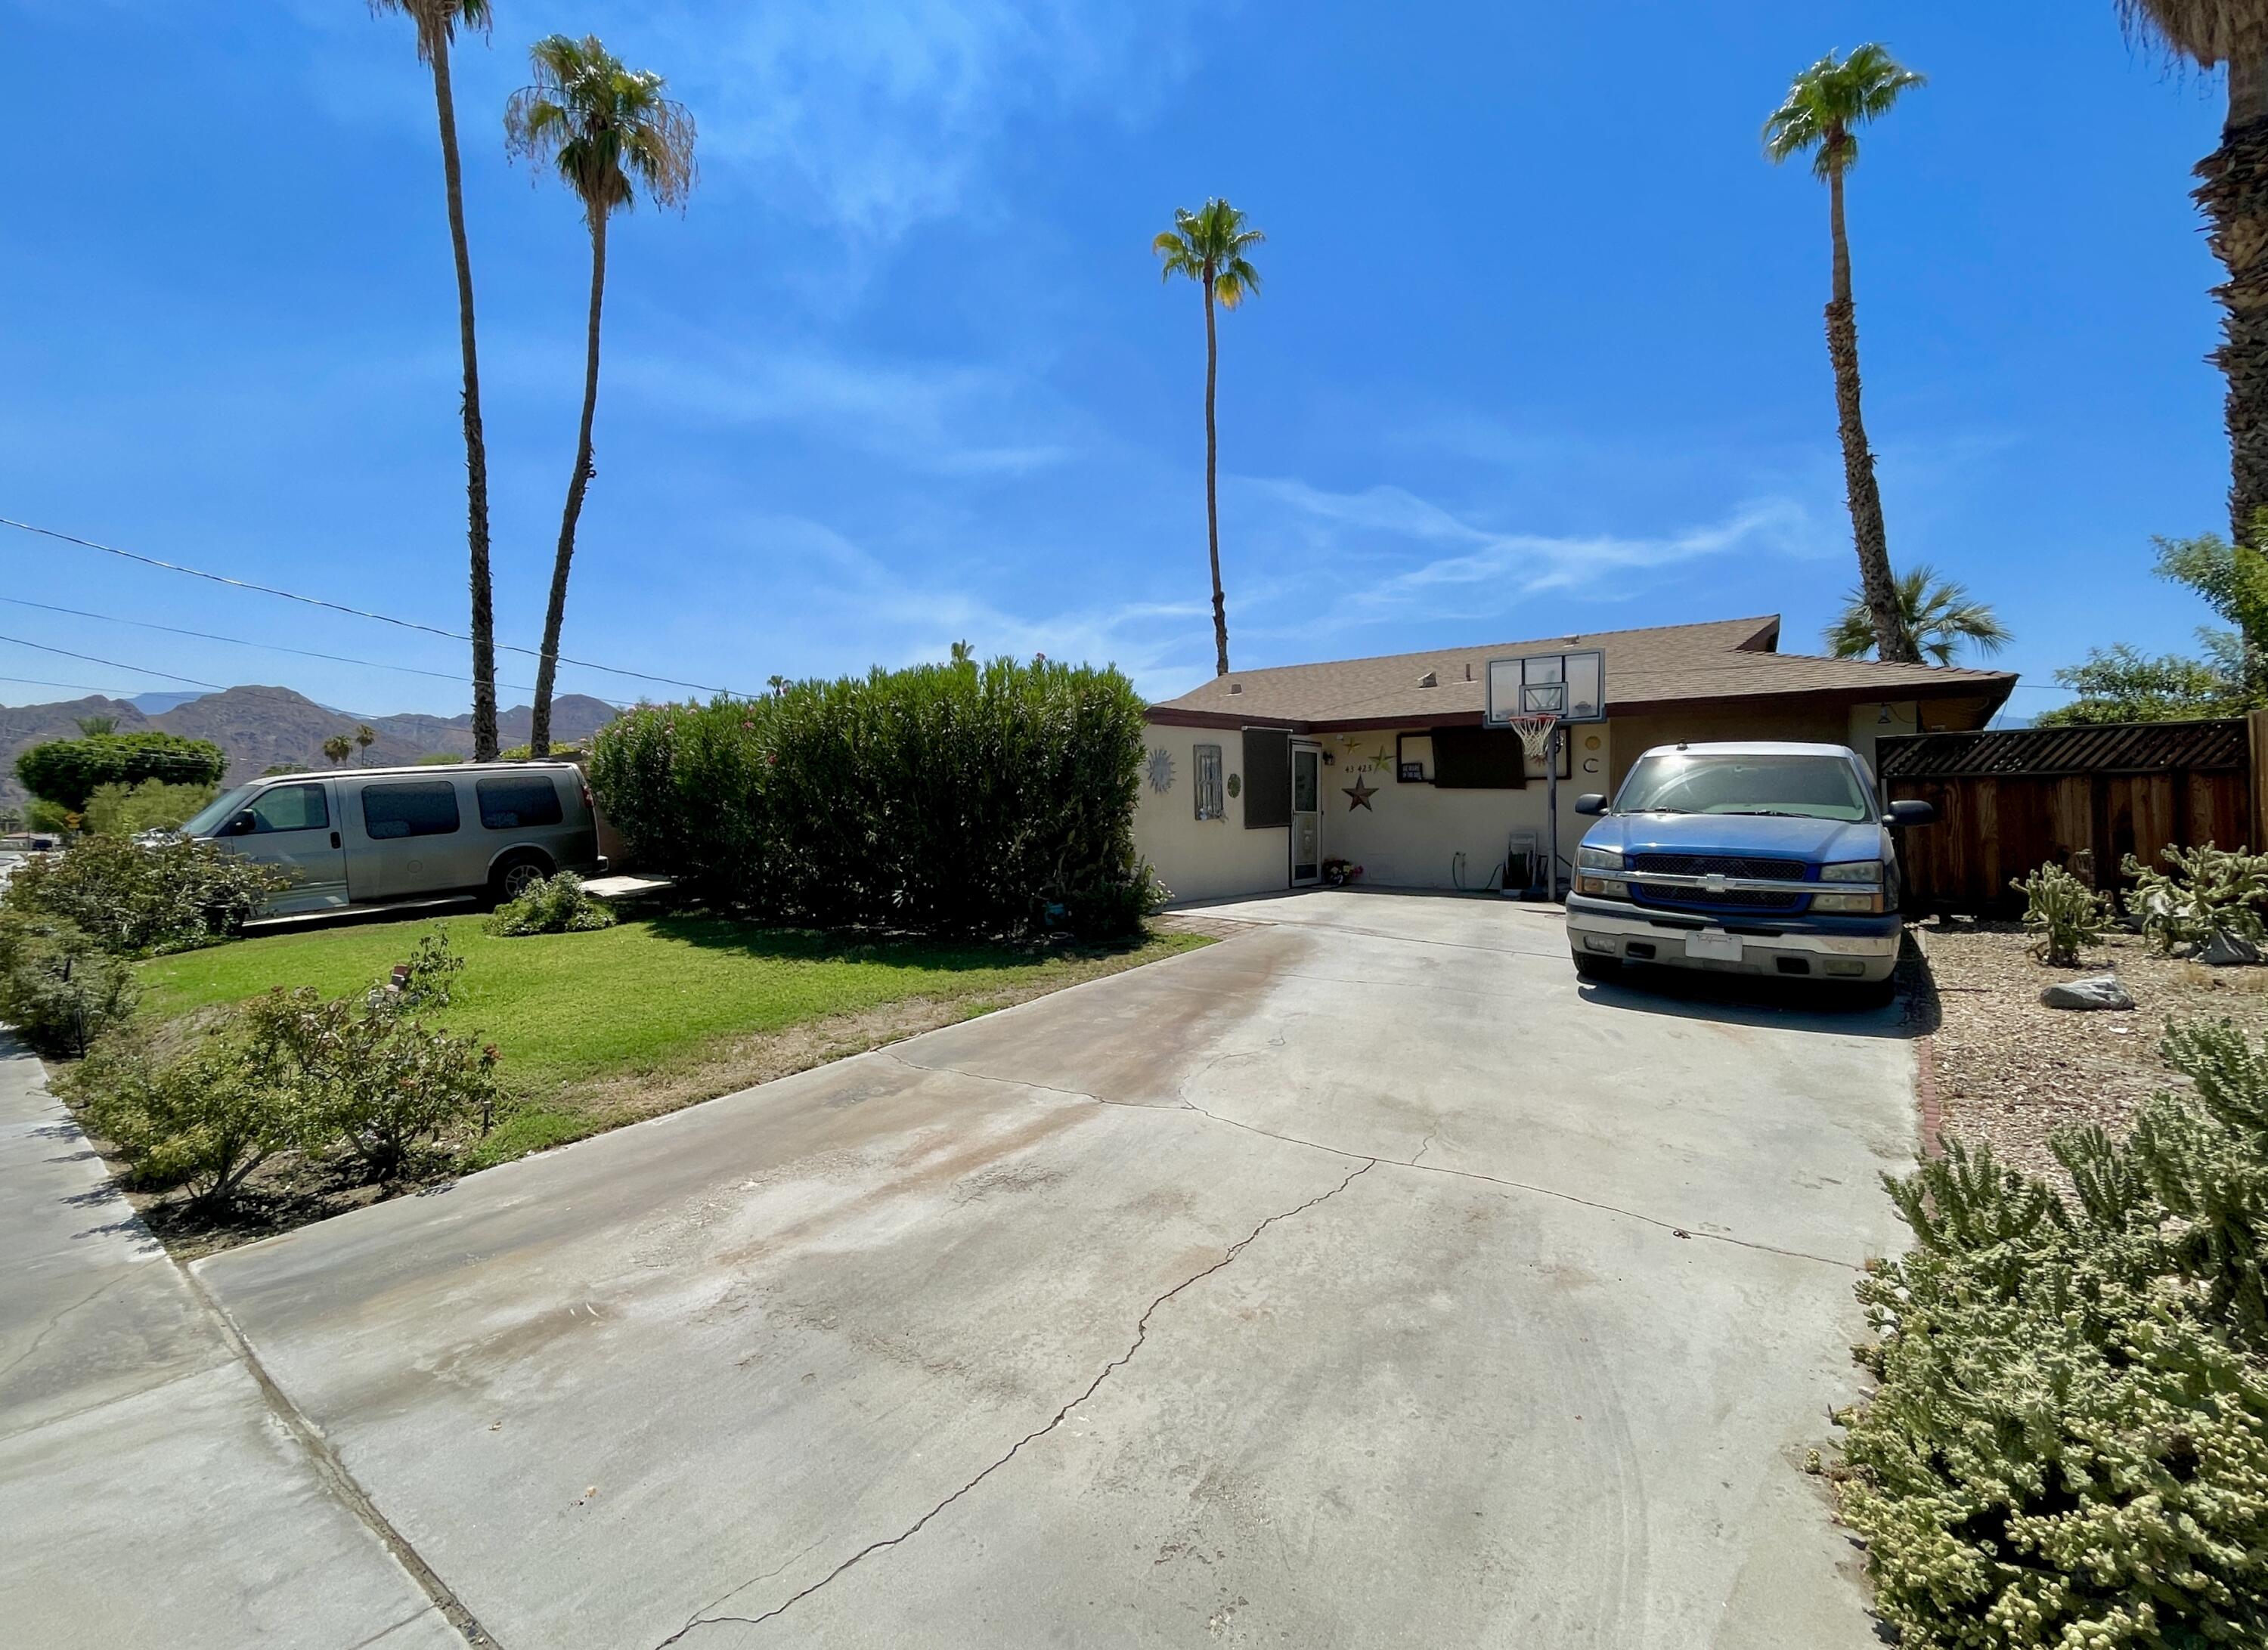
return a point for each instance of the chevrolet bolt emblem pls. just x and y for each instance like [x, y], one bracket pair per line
[1716, 882]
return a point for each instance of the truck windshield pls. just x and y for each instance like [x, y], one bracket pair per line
[1799, 787]
[208, 819]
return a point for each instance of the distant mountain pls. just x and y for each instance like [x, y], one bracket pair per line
[268, 727]
[157, 703]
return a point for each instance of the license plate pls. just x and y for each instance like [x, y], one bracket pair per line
[1713, 947]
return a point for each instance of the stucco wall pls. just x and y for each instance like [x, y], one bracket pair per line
[1205, 860]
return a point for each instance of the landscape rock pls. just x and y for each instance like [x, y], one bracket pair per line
[2103, 991]
[2226, 951]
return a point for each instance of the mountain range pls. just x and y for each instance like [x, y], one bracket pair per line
[266, 727]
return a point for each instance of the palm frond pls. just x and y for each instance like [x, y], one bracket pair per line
[438, 21]
[2206, 32]
[1829, 100]
[1938, 617]
[608, 129]
[1211, 243]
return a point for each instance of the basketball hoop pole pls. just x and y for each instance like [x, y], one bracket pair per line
[1551, 806]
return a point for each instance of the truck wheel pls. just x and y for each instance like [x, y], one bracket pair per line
[515, 873]
[1593, 967]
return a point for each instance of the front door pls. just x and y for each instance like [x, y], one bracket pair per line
[1307, 814]
[295, 827]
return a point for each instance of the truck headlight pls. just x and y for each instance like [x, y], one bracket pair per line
[1851, 871]
[1590, 862]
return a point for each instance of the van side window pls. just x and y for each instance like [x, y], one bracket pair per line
[290, 808]
[518, 800]
[427, 809]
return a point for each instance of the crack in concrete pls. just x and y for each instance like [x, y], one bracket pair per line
[55, 1322]
[1141, 1334]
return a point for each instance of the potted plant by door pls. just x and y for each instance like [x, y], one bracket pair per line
[1338, 873]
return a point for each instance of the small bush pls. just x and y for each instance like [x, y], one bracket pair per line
[57, 987]
[2062, 913]
[2069, 1443]
[557, 905]
[2210, 894]
[66, 772]
[136, 901]
[205, 1119]
[122, 810]
[947, 797]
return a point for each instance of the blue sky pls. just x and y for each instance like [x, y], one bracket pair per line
[1539, 347]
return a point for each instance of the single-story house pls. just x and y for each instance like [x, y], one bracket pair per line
[1257, 780]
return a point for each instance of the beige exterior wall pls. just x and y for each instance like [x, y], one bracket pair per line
[1205, 860]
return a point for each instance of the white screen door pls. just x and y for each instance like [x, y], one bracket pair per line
[1307, 814]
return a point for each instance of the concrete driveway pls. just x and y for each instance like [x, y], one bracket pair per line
[1358, 1280]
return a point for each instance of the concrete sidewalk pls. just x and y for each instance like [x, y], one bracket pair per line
[150, 1491]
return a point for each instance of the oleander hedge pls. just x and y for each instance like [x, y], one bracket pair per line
[954, 797]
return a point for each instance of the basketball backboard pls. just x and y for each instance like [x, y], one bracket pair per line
[1571, 686]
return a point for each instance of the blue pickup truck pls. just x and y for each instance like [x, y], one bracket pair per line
[1759, 858]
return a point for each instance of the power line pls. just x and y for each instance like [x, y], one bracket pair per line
[83, 687]
[241, 641]
[359, 613]
[139, 670]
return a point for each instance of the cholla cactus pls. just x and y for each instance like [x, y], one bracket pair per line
[2210, 894]
[2062, 913]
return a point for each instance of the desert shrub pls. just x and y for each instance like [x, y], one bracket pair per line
[2069, 1443]
[58, 986]
[135, 900]
[953, 798]
[205, 1118]
[2209, 894]
[381, 1083]
[40, 815]
[124, 810]
[2062, 913]
[557, 904]
[67, 770]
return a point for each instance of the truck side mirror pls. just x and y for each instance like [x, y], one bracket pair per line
[1590, 802]
[243, 824]
[1910, 812]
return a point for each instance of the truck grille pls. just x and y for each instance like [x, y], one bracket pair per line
[1720, 864]
[1719, 899]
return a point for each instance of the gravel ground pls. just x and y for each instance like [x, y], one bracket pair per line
[2010, 1071]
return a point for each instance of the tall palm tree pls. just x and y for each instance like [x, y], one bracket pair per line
[1208, 245]
[1935, 615]
[437, 22]
[2233, 192]
[610, 132]
[1824, 108]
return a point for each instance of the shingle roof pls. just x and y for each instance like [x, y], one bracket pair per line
[1651, 669]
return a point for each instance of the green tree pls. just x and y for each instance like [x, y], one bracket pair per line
[364, 737]
[1209, 247]
[2118, 684]
[338, 748]
[65, 771]
[436, 23]
[1935, 615]
[2232, 191]
[1824, 108]
[610, 132]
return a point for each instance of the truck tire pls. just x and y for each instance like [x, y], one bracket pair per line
[514, 873]
[1597, 968]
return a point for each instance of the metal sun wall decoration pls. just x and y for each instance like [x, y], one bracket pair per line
[1162, 770]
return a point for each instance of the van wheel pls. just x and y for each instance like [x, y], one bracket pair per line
[515, 873]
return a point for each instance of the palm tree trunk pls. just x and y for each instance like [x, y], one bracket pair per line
[2233, 192]
[1866, 499]
[539, 734]
[477, 452]
[1212, 490]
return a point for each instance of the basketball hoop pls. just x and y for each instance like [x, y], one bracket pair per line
[1534, 728]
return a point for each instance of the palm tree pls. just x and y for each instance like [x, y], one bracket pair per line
[2233, 192]
[1935, 615]
[338, 748]
[91, 725]
[610, 130]
[1824, 108]
[1208, 245]
[437, 22]
[364, 737]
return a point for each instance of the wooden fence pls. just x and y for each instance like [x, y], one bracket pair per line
[2083, 797]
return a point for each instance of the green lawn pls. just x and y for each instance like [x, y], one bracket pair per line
[677, 994]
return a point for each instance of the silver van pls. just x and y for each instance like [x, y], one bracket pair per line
[367, 835]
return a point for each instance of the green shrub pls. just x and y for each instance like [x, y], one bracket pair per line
[381, 1082]
[58, 987]
[122, 810]
[135, 900]
[2068, 1446]
[943, 797]
[65, 771]
[2210, 894]
[557, 905]
[206, 1118]
[2062, 913]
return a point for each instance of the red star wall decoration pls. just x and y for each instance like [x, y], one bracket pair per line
[1358, 793]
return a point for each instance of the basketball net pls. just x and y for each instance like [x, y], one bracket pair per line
[1534, 728]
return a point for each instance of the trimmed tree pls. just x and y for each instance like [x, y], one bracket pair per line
[65, 771]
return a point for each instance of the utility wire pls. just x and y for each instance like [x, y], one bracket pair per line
[83, 687]
[241, 641]
[139, 670]
[359, 613]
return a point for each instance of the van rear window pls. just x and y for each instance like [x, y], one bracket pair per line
[518, 800]
[427, 809]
